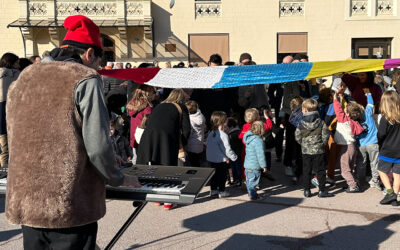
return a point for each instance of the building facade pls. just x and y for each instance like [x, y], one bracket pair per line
[146, 30]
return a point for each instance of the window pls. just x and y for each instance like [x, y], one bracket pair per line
[371, 48]
[108, 49]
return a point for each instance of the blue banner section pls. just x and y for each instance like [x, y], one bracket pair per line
[263, 74]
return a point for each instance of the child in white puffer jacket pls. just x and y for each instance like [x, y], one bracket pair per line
[195, 145]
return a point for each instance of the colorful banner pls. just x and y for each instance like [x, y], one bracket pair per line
[233, 76]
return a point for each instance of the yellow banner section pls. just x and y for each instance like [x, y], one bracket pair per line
[321, 69]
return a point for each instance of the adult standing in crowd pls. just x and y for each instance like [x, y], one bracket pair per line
[167, 132]
[56, 189]
[275, 94]
[363, 80]
[252, 96]
[210, 100]
[9, 72]
[167, 127]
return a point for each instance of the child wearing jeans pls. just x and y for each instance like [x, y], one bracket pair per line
[255, 157]
[252, 115]
[389, 140]
[312, 134]
[219, 153]
[346, 129]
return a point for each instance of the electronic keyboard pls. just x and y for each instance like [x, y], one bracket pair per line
[169, 184]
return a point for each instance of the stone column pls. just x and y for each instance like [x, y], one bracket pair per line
[29, 43]
[122, 29]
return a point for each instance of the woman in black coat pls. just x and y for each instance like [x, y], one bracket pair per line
[159, 144]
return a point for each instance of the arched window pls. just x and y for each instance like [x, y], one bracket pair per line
[108, 49]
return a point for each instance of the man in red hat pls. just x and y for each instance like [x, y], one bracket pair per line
[61, 155]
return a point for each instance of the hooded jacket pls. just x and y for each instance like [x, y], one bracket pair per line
[196, 138]
[255, 156]
[312, 134]
[346, 128]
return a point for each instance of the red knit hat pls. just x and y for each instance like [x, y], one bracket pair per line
[82, 31]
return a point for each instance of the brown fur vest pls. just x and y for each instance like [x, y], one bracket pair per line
[51, 183]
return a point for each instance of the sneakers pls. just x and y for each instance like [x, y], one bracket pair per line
[315, 182]
[157, 203]
[255, 198]
[374, 184]
[355, 189]
[289, 171]
[169, 206]
[213, 193]
[223, 194]
[389, 199]
[307, 193]
[330, 181]
[236, 183]
[324, 194]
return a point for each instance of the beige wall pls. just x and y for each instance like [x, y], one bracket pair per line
[10, 39]
[252, 27]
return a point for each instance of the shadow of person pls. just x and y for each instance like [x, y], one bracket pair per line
[237, 214]
[6, 235]
[2, 203]
[346, 237]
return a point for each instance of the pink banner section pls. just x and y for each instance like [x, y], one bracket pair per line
[391, 63]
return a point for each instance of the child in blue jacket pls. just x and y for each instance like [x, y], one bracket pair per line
[369, 147]
[255, 157]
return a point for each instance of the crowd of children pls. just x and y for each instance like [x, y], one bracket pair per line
[325, 131]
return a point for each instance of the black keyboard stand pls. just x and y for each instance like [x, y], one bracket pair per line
[139, 206]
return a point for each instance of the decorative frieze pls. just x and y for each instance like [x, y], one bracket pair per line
[37, 8]
[89, 9]
[384, 8]
[134, 9]
[359, 7]
[207, 9]
[291, 8]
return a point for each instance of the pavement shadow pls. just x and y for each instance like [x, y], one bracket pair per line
[346, 237]
[237, 214]
[6, 235]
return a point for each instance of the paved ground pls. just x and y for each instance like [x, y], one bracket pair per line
[283, 219]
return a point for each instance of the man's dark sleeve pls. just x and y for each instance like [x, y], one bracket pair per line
[89, 101]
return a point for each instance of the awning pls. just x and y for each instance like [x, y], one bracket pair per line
[59, 23]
